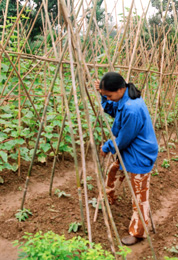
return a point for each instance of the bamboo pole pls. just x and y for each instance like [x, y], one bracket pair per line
[123, 36]
[155, 45]
[160, 84]
[81, 137]
[74, 152]
[19, 90]
[3, 31]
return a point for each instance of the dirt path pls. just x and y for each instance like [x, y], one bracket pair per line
[160, 217]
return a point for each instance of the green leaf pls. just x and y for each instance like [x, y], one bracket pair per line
[48, 135]
[174, 159]
[3, 156]
[7, 166]
[68, 139]
[14, 167]
[29, 114]
[42, 158]
[3, 136]
[56, 123]
[45, 147]
[1, 180]
[4, 67]
[75, 227]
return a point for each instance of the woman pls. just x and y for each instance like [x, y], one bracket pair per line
[136, 140]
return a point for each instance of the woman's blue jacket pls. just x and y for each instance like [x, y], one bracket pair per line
[135, 136]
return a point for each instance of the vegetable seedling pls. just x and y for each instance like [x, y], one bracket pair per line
[60, 193]
[94, 203]
[74, 227]
[165, 164]
[23, 214]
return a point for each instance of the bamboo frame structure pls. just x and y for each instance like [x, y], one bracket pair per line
[85, 51]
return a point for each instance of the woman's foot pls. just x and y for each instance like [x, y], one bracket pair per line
[130, 240]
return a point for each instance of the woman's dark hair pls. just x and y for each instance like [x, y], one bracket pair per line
[113, 81]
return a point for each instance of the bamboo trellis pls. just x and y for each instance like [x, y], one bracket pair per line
[79, 47]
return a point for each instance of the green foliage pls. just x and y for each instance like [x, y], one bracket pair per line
[93, 201]
[175, 159]
[89, 185]
[1, 180]
[124, 251]
[156, 19]
[170, 258]
[60, 193]
[23, 214]
[165, 164]
[162, 149]
[174, 249]
[12, 9]
[74, 227]
[100, 16]
[52, 246]
[156, 173]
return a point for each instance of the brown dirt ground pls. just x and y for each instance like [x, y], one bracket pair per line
[53, 213]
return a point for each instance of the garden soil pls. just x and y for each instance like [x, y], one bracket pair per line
[54, 213]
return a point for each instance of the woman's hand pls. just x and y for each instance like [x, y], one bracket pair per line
[97, 85]
[102, 153]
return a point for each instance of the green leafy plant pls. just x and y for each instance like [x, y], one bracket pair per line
[171, 145]
[156, 173]
[89, 185]
[93, 201]
[60, 193]
[162, 149]
[173, 249]
[74, 227]
[124, 251]
[165, 164]
[175, 159]
[172, 258]
[1, 180]
[52, 246]
[23, 214]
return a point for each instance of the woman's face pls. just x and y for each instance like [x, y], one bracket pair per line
[113, 96]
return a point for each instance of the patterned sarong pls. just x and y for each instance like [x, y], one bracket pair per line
[140, 184]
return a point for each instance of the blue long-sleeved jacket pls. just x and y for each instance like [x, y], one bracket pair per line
[135, 136]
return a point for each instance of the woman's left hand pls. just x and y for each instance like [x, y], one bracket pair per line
[102, 153]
